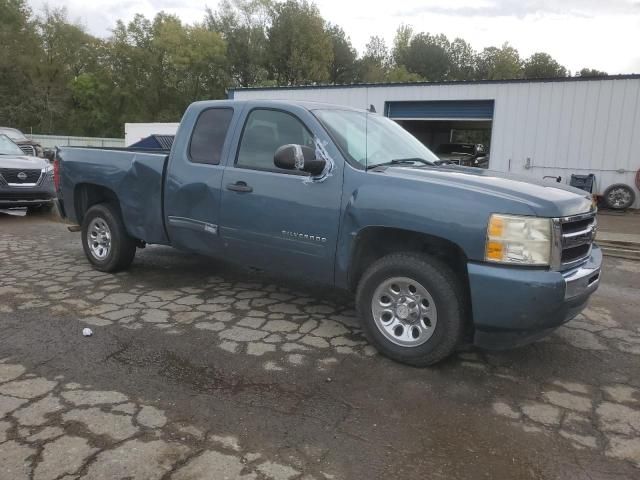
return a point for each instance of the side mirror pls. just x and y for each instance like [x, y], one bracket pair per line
[298, 157]
[49, 154]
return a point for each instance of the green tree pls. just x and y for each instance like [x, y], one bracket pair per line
[299, 49]
[590, 72]
[401, 42]
[542, 65]
[92, 112]
[499, 63]
[399, 74]
[376, 50]
[343, 64]
[19, 57]
[243, 25]
[374, 65]
[67, 51]
[428, 56]
[463, 60]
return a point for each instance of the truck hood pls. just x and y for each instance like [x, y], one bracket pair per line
[545, 199]
[23, 161]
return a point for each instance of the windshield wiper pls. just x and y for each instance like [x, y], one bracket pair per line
[400, 161]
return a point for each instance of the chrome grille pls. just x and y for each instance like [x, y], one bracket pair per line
[573, 238]
[28, 150]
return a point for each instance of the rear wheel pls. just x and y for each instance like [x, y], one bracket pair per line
[412, 308]
[106, 242]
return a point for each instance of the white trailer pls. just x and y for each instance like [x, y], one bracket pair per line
[134, 132]
[538, 128]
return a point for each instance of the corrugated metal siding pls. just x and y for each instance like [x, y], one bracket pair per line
[562, 127]
[441, 109]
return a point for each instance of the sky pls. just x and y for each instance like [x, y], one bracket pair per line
[601, 34]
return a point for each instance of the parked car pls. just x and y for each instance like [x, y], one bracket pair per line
[463, 154]
[29, 147]
[25, 181]
[435, 255]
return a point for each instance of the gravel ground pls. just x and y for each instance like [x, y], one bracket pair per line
[197, 369]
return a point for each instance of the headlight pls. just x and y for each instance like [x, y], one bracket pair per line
[518, 240]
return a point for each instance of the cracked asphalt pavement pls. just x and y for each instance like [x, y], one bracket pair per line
[200, 370]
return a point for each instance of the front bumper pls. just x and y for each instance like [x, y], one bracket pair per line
[514, 306]
[10, 198]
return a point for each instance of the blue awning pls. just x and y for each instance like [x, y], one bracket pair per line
[440, 110]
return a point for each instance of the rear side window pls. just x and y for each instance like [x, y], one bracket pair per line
[209, 134]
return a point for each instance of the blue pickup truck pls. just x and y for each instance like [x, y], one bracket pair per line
[436, 255]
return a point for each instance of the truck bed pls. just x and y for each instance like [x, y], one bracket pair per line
[134, 177]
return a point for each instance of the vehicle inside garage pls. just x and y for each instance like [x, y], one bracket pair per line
[457, 131]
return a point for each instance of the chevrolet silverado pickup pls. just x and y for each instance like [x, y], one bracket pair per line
[436, 255]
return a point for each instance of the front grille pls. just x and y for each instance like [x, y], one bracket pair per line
[575, 254]
[18, 176]
[577, 235]
[28, 150]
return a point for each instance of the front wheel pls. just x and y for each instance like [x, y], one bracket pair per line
[106, 242]
[412, 308]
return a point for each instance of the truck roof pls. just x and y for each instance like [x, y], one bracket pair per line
[275, 103]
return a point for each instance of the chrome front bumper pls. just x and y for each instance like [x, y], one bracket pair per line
[584, 279]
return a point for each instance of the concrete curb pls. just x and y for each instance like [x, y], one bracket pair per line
[619, 245]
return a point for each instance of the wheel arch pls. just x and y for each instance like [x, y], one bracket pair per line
[374, 242]
[87, 195]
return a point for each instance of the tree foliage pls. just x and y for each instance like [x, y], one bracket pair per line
[299, 49]
[499, 63]
[541, 65]
[57, 78]
[242, 24]
[591, 72]
[343, 62]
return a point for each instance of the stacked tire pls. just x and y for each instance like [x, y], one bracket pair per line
[620, 196]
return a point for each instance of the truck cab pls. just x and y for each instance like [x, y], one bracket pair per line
[347, 198]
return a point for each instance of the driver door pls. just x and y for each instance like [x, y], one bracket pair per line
[274, 219]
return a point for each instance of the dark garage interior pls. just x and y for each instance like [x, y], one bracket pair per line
[439, 124]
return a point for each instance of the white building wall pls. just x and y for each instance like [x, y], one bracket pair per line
[134, 132]
[563, 127]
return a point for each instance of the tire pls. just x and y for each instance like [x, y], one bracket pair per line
[619, 196]
[103, 222]
[441, 323]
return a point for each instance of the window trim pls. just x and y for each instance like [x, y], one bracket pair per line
[226, 136]
[296, 173]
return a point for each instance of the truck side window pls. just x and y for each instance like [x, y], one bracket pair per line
[264, 132]
[209, 134]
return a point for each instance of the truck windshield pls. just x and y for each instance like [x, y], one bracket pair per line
[371, 140]
[7, 147]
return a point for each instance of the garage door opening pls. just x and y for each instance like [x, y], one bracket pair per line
[458, 132]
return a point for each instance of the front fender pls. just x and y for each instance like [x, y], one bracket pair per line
[456, 215]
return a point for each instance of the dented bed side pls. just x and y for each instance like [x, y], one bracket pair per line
[133, 179]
